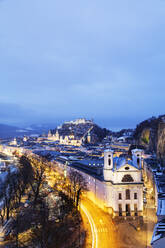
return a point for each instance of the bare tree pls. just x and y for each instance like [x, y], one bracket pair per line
[34, 173]
[9, 194]
[78, 185]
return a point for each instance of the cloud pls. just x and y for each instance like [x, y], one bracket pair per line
[91, 58]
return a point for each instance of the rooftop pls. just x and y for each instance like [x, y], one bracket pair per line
[159, 232]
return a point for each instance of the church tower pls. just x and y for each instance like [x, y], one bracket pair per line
[89, 138]
[137, 157]
[108, 165]
[57, 136]
[15, 142]
[49, 134]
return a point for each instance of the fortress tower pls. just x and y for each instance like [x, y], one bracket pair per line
[57, 136]
[89, 137]
[49, 134]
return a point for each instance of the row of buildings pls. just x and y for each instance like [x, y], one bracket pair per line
[158, 239]
[115, 181]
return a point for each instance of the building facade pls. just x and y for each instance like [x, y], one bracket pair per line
[123, 177]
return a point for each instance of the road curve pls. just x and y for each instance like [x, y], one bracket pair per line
[92, 226]
[101, 226]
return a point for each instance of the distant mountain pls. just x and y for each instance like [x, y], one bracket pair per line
[7, 131]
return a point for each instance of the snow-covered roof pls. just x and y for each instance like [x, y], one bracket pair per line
[159, 232]
[137, 150]
[122, 161]
[108, 150]
[3, 176]
[161, 207]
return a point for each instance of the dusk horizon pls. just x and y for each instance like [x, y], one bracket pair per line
[110, 124]
[95, 60]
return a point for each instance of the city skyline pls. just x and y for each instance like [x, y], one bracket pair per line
[64, 60]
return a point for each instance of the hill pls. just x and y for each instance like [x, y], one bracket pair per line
[151, 134]
[80, 129]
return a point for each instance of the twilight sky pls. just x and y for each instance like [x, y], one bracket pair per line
[60, 60]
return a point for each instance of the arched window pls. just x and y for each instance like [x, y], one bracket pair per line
[109, 161]
[138, 160]
[127, 178]
[127, 194]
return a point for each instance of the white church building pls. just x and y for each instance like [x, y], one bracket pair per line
[119, 191]
[123, 183]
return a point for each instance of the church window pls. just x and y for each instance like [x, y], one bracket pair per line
[138, 159]
[128, 211]
[120, 196]
[120, 210]
[135, 210]
[135, 196]
[127, 194]
[109, 161]
[127, 178]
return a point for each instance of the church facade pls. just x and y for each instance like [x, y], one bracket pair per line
[123, 179]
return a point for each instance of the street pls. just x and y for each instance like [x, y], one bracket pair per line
[100, 225]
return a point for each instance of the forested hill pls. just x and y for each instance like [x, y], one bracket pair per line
[151, 134]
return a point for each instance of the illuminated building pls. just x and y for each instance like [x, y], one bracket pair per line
[118, 190]
[123, 177]
[74, 133]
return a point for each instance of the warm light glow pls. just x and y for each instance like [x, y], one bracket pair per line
[92, 225]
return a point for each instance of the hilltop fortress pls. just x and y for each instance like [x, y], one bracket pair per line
[76, 133]
[79, 121]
